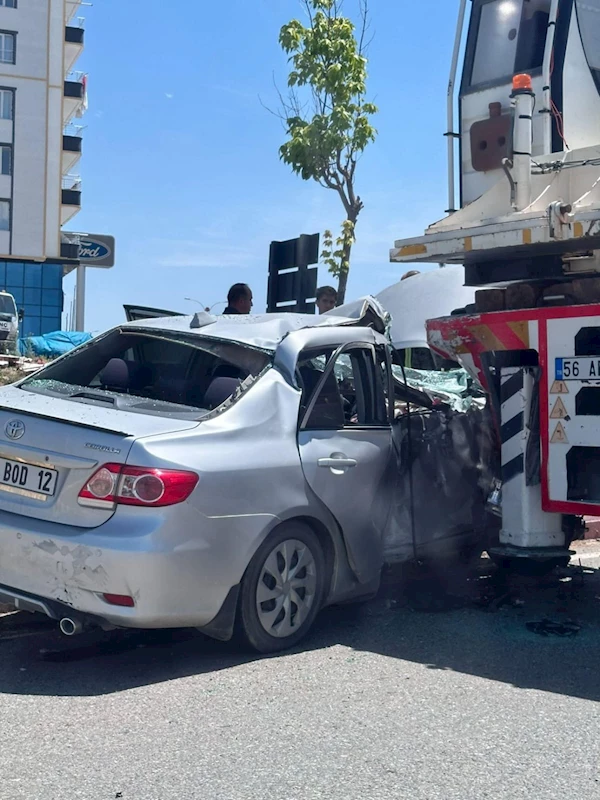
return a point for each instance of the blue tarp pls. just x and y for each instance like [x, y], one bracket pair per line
[52, 345]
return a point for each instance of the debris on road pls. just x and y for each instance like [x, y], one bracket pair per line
[12, 368]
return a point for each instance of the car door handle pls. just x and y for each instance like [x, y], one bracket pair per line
[337, 462]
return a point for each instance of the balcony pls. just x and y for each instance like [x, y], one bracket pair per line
[69, 246]
[72, 7]
[71, 147]
[71, 197]
[74, 36]
[75, 95]
[69, 251]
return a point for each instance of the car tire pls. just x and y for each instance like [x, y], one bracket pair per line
[282, 590]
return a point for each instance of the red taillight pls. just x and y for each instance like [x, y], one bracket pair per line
[119, 600]
[137, 486]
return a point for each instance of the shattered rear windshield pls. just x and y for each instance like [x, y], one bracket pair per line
[164, 374]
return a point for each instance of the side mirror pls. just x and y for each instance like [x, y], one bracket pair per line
[21, 315]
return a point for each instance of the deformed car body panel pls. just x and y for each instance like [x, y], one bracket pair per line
[411, 302]
[355, 495]
[266, 331]
[256, 469]
[288, 352]
[179, 568]
[446, 465]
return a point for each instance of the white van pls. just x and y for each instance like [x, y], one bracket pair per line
[9, 324]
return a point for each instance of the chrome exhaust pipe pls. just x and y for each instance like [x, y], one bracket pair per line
[70, 627]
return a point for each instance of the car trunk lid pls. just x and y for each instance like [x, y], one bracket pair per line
[50, 447]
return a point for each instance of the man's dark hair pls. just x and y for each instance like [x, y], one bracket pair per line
[326, 291]
[237, 291]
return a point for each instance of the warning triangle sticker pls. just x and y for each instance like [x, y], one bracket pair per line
[559, 411]
[559, 387]
[559, 436]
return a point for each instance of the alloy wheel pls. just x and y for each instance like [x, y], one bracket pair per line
[286, 588]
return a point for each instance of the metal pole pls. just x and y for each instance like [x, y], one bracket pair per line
[272, 284]
[547, 77]
[80, 299]
[451, 134]
[523, 98]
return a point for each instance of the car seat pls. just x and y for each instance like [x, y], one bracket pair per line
[125, 376]
[220, 390]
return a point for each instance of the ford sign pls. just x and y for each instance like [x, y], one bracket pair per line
[88, 249]
[96, 250]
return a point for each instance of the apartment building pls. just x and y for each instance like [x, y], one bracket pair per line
[41, 97]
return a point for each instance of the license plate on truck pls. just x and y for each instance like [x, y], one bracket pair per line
[28, 477]
[585, 368]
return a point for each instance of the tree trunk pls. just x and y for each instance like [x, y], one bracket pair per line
[343, 279]
[347, 252]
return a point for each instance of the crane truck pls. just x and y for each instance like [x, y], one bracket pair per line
[526, 227]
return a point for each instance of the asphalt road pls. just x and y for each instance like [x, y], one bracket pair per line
[425, 693]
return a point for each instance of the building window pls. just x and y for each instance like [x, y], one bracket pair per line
[7, 48]
[4, 215]
[6, 104]
[5, 159]
[8, 3]
[42, 306]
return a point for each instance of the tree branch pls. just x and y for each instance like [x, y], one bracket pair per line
[340, 167]
[309, 12]
[351, 193]
[363, 45]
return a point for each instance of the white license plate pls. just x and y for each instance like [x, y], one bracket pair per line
[28, 477]
[4, 326]
[585, 368]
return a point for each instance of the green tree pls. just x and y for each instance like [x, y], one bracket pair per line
[326, 115]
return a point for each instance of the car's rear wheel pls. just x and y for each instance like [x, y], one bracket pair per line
[282, 590]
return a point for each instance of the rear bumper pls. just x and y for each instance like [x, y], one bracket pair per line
[52, 609]
[179, 568]
[35, 605]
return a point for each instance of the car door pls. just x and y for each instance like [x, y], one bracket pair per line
[345, 445]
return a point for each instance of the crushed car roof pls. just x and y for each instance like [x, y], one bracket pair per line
[428, 295]
[264, 331]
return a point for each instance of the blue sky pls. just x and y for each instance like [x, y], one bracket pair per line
[181, 159]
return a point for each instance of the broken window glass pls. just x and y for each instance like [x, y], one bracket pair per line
[126, 368]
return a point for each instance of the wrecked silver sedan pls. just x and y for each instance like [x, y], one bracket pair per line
[231, 473]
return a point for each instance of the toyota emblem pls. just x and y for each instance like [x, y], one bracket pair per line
[14, 429]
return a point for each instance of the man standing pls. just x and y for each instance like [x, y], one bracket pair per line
[239, 299]
[326, 299]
